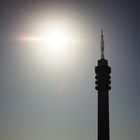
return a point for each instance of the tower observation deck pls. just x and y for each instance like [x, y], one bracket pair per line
[102, 82]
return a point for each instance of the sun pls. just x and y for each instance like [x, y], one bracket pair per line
[55, 40]
[56, 37]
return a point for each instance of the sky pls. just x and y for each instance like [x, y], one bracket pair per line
[46, 98]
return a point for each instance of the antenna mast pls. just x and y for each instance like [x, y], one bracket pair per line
[102, 45]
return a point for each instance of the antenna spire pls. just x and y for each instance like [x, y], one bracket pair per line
[102, 44]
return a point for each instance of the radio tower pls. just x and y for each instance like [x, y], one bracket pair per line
[102, 86]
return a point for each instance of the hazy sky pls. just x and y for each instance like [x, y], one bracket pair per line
[44, 101]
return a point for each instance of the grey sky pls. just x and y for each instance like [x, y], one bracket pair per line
[41, 102]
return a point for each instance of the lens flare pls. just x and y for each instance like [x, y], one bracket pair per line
[53, 41]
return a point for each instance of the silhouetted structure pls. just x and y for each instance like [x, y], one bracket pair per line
[102, 86]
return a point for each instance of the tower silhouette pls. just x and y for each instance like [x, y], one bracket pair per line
[102, 82]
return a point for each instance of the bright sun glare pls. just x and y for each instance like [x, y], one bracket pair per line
[53, 41]
[56, 37]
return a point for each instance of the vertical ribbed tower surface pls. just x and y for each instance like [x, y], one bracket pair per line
[103, 71]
